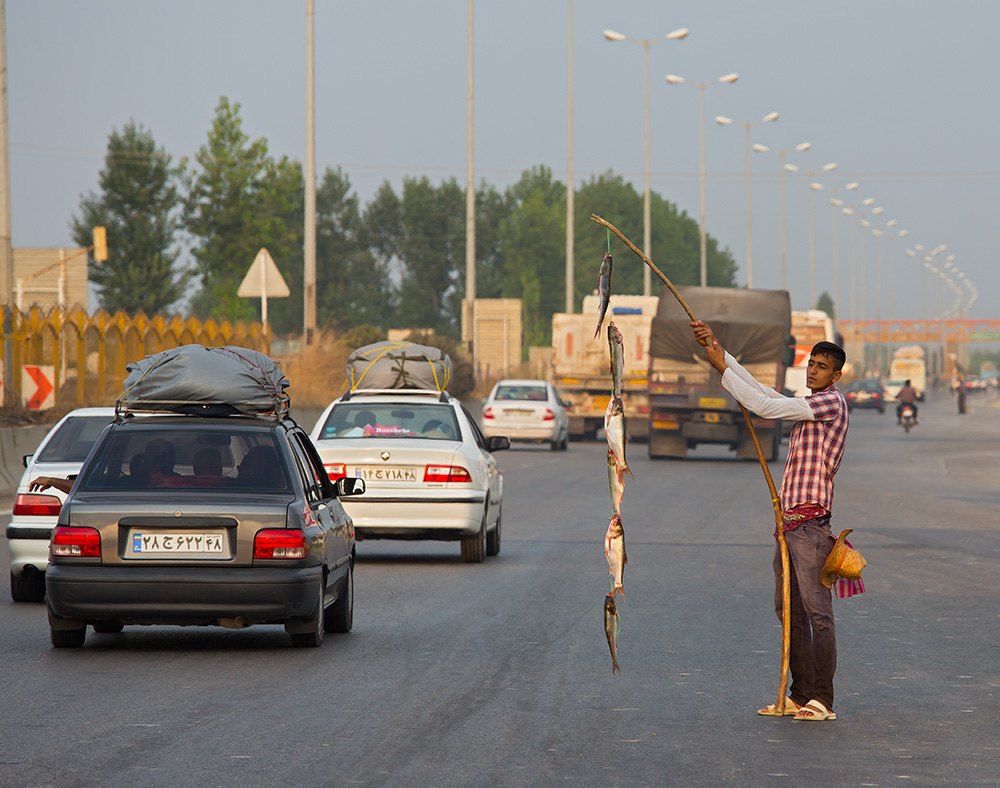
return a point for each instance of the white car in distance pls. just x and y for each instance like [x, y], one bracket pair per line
[429, 471]
[60, 454]
[527, 410]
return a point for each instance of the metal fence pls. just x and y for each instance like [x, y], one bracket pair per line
[69, 358]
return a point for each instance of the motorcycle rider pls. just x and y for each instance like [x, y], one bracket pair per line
[906, 396]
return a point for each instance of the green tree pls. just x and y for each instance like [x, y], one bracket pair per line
[825, 304]
[138, 204]
[533, 239]
[422, 234]
[239, 200]
[354, 287]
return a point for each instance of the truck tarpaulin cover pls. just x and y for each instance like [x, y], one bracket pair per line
[210, 380]
[398, 365]
[752, 325]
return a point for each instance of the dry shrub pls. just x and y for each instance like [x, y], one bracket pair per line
[317, 373]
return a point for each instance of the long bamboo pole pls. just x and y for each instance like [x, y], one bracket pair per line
[786, 580]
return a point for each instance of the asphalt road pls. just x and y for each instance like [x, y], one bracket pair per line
[499, 674]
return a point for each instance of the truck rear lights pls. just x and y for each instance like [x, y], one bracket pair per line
[37, 505]
[76, 542]
[279, 544]
[488, 413]
[446, 473]
[336, 470]
[549, 415]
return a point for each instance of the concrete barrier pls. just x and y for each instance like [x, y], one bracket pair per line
[15, 442]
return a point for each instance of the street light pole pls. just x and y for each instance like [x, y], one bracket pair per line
[782, 167]
[724, 121]
[673, 79]
[570, 216]
[647, 243]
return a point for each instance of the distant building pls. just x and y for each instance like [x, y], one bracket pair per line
[38, 271]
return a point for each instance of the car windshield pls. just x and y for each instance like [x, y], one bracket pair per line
[203, 460]
[533, 393]
[73, 441]
[359, 419]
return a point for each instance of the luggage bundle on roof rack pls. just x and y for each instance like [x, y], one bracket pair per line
[398, 365]
[209, 381]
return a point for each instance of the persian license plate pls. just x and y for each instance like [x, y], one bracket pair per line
[158, 543]
[711, 402]
[387, 474]
[519, 414]
[712, 418]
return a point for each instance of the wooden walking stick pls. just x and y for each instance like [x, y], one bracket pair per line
[786, 580]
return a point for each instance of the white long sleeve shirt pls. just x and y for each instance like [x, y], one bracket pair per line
[758, 398]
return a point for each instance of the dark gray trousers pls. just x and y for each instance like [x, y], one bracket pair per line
[813, 658]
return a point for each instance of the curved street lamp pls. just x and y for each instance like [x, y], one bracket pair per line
[673, 79]
[724, 121]
[612, 35]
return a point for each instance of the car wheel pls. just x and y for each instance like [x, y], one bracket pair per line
[314, 637]
[27, 587]
[565, 442]
[493, 537]
[108, 627]
[474, 547]
[340, 617]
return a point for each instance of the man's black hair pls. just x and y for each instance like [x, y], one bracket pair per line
[830, 350]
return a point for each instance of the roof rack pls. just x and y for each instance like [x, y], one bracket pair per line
[442, 396]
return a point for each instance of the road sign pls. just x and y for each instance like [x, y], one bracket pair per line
[37, 390]
[262, 281]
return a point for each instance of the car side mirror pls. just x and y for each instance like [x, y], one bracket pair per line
[26, 459]
[497, 442]
[348, 485]
[567, 403]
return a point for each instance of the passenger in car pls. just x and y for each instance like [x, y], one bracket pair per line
[159, 461]
[207, 464]
[257, 468]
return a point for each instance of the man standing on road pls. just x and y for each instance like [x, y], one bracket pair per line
[815, 449]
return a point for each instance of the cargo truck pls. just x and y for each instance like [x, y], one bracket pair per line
[581, 366]
[687, 404]
[908, 363]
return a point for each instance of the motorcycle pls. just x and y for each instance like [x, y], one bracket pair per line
[906, 418]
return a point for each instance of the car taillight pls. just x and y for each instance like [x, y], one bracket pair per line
[446, 473]
[488, 413]
[77, 542]
[549, 415]
[336, 470]
[45, 505]
[279, 544]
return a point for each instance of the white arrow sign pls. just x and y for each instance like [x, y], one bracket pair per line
[263, 280]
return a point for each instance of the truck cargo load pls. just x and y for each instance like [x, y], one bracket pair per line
[581, 368]
[398, 365]
[688, 405]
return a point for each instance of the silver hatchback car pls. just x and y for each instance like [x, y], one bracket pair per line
[199, 521]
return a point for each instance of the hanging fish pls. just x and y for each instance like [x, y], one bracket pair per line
[616, 344]
[603, 290]
[614, 550]
[614, 431]
[616, 479]
[611, 630]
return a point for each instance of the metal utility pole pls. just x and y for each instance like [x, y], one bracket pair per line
[309, 278]
[6, 252]
[570, 228]
[470, 203]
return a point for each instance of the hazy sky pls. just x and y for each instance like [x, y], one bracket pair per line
[899, 93]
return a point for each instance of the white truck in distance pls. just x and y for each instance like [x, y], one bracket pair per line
[581, 365]
[907, 364]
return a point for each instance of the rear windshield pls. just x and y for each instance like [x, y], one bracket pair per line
[207, 460]
[73, 441]
[391, 420]
[531, 393]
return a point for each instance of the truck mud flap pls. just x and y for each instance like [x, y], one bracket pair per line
[666, 443]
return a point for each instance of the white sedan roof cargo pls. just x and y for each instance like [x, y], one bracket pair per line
[398, 365]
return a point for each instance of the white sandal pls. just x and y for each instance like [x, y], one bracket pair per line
[814, 711]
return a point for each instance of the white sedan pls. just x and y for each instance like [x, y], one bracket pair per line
[429, 471]
[60, 454]
[527, 410]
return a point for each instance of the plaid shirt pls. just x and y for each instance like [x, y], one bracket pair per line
[814, 452]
